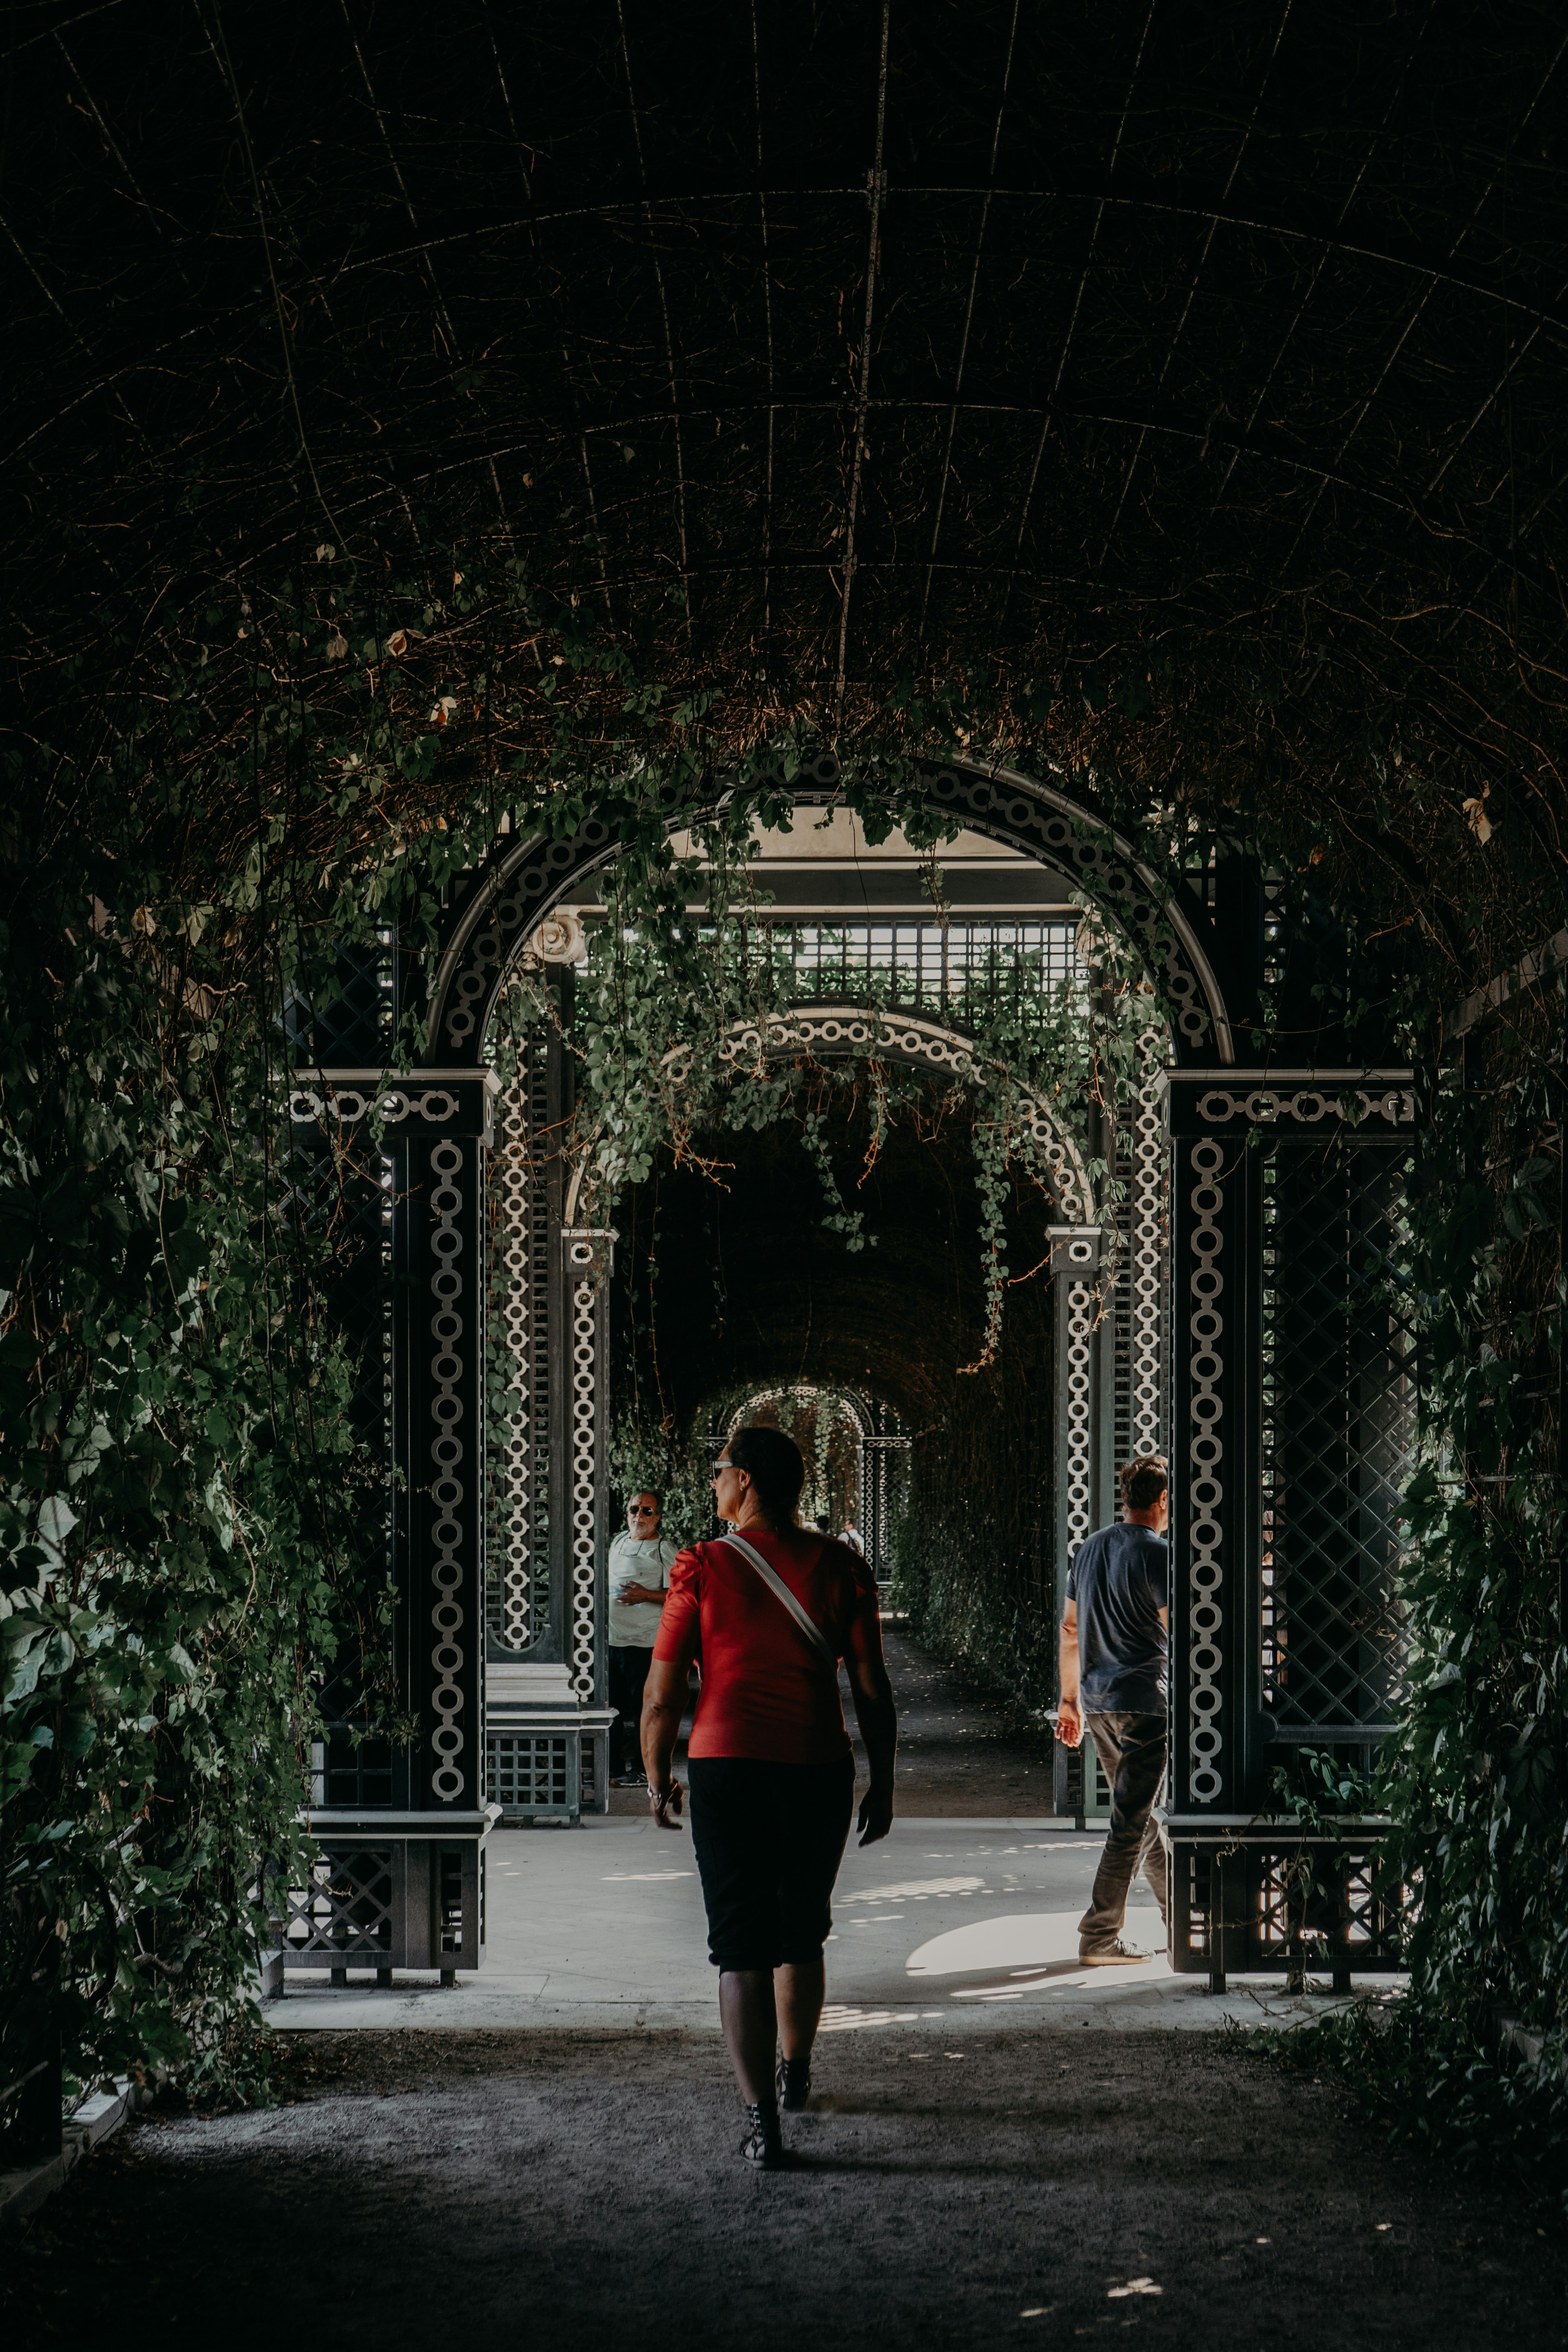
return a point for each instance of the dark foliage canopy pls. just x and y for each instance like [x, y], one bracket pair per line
[739, 1280]
[1206, 359]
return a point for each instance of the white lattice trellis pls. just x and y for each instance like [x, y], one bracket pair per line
[448, 1448]
[1079, 1409]
[587, 1263]
[1206, 1452]
[846, 1029]
[1147, 1244]
[514, 1469]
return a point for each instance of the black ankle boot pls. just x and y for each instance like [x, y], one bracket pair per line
[793, 2082]
[763, 2144]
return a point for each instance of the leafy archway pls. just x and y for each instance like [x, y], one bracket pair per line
[500, 906]
[248, 735]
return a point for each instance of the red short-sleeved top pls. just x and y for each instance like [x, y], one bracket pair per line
[766, 1694]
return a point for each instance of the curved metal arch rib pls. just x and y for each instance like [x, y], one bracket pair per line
[1161, 921]
[846, 1031]
[764, 1391]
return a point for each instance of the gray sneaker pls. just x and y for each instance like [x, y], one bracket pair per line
[1118, 1954]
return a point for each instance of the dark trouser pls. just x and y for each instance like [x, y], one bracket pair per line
[768, 1838]
[628, 1672]
[1131, 1751]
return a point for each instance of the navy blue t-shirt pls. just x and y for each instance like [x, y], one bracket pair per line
[1120, 1579]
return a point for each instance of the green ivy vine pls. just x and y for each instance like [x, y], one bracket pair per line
[265, 768]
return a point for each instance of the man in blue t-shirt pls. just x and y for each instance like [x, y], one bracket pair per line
[1113, 1674]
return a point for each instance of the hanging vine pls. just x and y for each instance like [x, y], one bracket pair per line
[681, 1031]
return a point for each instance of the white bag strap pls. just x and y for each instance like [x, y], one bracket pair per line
[780, 1591]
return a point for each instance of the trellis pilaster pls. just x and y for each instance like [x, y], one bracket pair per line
[547, 1671]
[403, 1886]
[1146, 1249]
[587, 1262]
[1215, 1269]
[885, 1460]
[440, 1232]
[1084, 1469]
[1292, 1393]
[525, 1220]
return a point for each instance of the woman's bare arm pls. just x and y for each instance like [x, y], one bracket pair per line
[663, 1705]
[877, 1718]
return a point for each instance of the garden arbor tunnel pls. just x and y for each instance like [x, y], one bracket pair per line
[733, 1288]
[1148, 376]
[1242, 1332]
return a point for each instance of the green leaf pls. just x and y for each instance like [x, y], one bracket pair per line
[185, 1255]
[78, 1735]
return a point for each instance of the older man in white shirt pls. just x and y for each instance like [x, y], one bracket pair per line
[640, 1560]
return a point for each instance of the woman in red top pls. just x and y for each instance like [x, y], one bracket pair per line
[770, 1764]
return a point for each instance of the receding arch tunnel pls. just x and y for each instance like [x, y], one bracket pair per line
[736, 1280]
[443, 452]
[733, 1271]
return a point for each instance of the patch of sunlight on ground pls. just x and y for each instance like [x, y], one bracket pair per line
[913, 1889]
[1019, 1939]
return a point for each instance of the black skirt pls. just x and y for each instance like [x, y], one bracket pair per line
[769, 1839]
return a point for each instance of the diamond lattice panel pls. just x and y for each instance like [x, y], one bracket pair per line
[353, 1031]
[346, 1908]
[1337, 1422]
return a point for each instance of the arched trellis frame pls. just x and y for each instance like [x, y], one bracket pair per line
[1281, 1509]
[858, 1410]
[544, 1608]
[503, 903]
[851, 1032]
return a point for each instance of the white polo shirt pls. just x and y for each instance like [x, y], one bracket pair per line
[638, 1560]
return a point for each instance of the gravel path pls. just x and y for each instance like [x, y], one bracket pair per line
[546, 2192]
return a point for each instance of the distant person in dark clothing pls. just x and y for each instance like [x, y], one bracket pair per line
[1114, 1651]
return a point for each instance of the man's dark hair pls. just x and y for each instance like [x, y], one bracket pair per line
[1143, 1481]
[775, 1467]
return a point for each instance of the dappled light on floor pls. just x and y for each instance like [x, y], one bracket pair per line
[1018, 1939]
